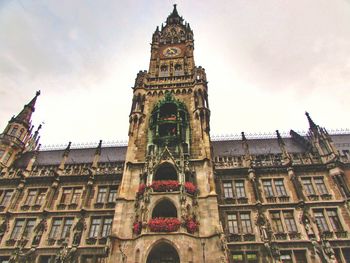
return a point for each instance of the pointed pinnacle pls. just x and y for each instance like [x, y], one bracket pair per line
[311, 122]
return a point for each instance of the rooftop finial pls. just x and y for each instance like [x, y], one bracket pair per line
[312, 125]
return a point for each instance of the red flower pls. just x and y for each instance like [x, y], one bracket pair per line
[137, 228]
[142, 188]
[164, 224]
[165, 185]
[190, 188]
[191, 225]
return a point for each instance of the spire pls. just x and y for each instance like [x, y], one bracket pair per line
[174, 17]
[25, 115]
[312, 125]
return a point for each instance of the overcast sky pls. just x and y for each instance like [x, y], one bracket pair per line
[267, 61]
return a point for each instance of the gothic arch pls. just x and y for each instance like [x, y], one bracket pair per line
[165, 171]
[164, 207]
[166, 247]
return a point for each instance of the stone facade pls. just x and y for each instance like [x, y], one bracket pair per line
[172, 194]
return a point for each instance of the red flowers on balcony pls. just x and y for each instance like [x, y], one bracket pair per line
[165, 186]
[164, 224]
[141, 190]
[190, 188]
[137, 228]
[191, 225]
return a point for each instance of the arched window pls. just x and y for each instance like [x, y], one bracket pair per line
[137, 256]
[164, 71]
[14, 131]
[164, 208]
[163, 252]
[165, 172]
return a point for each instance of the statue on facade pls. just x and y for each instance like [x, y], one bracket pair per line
[78, 231]
[39, 231]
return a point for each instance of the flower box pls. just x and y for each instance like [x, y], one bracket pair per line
[137, 228]
[142, 188]
[165, 186]
[164, 224]
[191, 225]
[190, 188]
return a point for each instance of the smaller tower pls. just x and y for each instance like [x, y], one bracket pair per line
[17, 136]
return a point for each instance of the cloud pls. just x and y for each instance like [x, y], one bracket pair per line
[268, 60]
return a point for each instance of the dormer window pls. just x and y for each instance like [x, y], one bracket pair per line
[14, 131]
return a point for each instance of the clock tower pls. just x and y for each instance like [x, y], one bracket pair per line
[167, 209]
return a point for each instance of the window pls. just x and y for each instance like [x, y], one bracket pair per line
[71, 195]
[268, 188]
[283, 221]
[7, 157]
[309, 189]
[112, 194]
[61, 228]
[22, 227]
[277, 222]
[106, 194]
[4, 259]
[14, 131]
[93, 259]
[320, 186]
[5, 197]
[77, 192]
[321, 221]
[293, 256]
[47, 259]
[239, 223]
[100, 227]
[239, 189]
[35, 197]
[274, 187]
[334, 220]
[102, 193]
[289, 220]
[228, 192]
[280, 189]
[241, 257]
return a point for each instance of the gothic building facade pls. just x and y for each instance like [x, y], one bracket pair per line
[172, 194]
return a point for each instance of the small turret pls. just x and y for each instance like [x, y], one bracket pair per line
[17, 136]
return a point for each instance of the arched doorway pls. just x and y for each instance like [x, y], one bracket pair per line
[163, 253]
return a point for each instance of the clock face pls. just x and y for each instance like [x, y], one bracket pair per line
[171, 51]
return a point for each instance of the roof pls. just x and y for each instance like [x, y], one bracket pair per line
[221, 148]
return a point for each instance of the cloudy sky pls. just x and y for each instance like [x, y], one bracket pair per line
[267, 61]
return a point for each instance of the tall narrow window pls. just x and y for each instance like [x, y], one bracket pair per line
[239, 188]
[320, 185]
[14, 131]
[66, 195]
[95, 227]
[334, 220]
[29, 227]
[277, 222]
[106, 227]
[17, 229]
[321, 221]
[290, 222]
[31, 197]
[112, 195]
[101, 195]
[228, 193]
[280, 189]
[6, 197]
[55, 229]
[309, 189]
[232, 223]
[41, 197]
[268, 188]
[286, 257]
[246, 223]
[67, 225]
[77, 192]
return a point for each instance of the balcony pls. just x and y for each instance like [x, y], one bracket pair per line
[164, 224]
